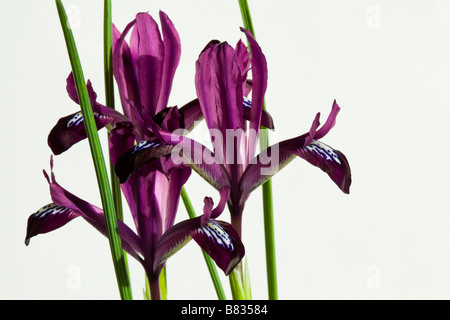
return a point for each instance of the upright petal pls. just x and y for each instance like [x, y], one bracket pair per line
[176, 179]
[72, 90]
[259, 86]
[243, 58]
[150, 62]
[124, 72]
[219, 87]
[329, 124]
[172, 52]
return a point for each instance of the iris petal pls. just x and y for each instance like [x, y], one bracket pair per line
[221, 242]
[331, 161]
[217, 238]
[48, 218]
[145, 152]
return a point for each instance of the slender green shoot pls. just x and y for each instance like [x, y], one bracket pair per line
[163, 283]
[98, 159]
[109, 94]
[266, 187]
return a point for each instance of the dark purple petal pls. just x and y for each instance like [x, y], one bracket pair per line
[145, 152]
[331, 161]
[70, 129]
[221, 242]
[48, 218]
[172, 52]
[93, 215]
[269, 162]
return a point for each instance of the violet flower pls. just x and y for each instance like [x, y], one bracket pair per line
[222, 88]
[144, 72]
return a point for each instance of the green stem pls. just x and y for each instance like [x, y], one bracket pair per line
[109, 94]
[97, 157]
[163, 283]
[209, 262]
[240, 282]
[266, 187]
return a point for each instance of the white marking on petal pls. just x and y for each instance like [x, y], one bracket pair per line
[324, 151]
[144, 144]
[247, 102]
[50, 209]
[216, 233]
[76, 120]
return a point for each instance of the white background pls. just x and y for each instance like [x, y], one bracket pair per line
[386, 62]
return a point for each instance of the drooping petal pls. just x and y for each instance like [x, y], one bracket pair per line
[331, 161]
[48, 218]
[269, 162]
[272, 160]
[70, 129]
[172, 52]
[221, 242]
[93, 215]
[217, 238]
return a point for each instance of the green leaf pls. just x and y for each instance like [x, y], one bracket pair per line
[98, 159]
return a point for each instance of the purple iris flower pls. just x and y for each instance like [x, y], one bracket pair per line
[234, 120]
[144, 72]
